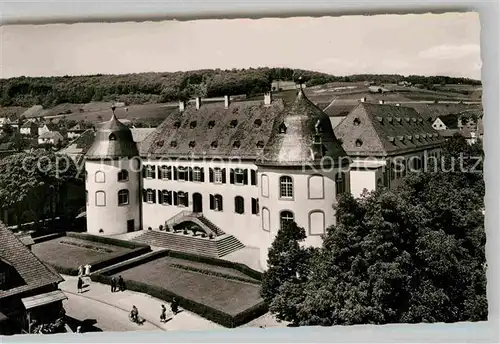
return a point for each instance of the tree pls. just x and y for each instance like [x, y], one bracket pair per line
[37, 183]
[287, 260]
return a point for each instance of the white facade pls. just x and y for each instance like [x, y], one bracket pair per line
[105, 214]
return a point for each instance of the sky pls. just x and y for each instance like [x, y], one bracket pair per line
[422, 44]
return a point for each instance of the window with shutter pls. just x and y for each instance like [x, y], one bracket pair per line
[239, 205]
[217, 175]
[196, 174]
[186, 199]
[176, 198]
[202, 175]
[211, 175]
[160, 197]
[144, 195]
[286, 187]
[245, 177]
[190, 169]
[218, 203]
[231, 176]
[175, 172]
[223, 176]
[239, 176]
[181, 198]
[255, 206]
[211, 202]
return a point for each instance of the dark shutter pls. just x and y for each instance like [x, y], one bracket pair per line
[221, 203]
[212, 202]
[160, 175]
[144, 171]
[153, 170]
[176, 199]
[223, 176]
[202, 174]
[160, 196]
[186, 199]
[236, 209]
[169, 172]
[211, 175]
[190, 174]
[245, 177]
[253, 177]
[231, 176]
[254, 206]
[175, 173]
[169, 197]
[154, 196]
[144, 195]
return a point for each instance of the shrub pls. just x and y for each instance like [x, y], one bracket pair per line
[160, 227]
[105, 240]
[203, 235]
[167, 228]
[149, 228]
[185, 231]
[211, 236]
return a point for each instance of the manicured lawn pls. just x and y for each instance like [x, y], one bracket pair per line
[70, 253]
[229, 296]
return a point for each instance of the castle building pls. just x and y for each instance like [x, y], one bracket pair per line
[236, 169]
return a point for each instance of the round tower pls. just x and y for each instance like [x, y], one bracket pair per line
[299, 171]
[113, 182]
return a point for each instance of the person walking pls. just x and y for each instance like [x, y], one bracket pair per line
[113, 284]
[79, 284]
[163, 315]
[121, 283]
[174, 306]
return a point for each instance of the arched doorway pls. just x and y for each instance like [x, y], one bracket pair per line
[197, 203]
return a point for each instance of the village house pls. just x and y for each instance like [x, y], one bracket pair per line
[47, 127]
[75, 131]
[29, 292]
[50, 137]
[29, 127]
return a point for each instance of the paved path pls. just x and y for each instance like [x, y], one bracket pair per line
[148, 306]
[106, 317]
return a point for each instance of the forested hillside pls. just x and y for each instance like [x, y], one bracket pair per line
[163, 87]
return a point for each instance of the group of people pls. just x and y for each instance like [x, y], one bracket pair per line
[134, 313]
[83, 271]
[117, 284]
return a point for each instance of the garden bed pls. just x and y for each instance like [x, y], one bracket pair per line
[66, 252]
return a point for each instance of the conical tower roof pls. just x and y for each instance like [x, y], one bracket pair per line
[302, 134]
[113, 140]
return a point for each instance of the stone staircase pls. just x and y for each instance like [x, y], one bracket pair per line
[210, 224]
[216, 248]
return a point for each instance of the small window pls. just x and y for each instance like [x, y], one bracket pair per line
[100, 199]
[192, 125]
[173, 144]
[123, 197]
[150, 172]
[211, 124]
[100, 177]
[257, 123]
[192, 144]
[216, 202]
[359, 143]
[218, 175]
[177, 124]
[166, 172]
[282, 128]
[286, 218]
[165, 197]
[214, 144]
[112, 137]
[340, 183]
[239, 205]
[182, 199]
[239, 176]
[123, 176]
[356, 122]
[236, 144]
[286, 187]
[182, 173]
[233, 123]
[197, 174]
[260, 144]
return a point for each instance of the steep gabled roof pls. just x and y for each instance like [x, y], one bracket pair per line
[33, 272]
[374, 129]
[212, 130]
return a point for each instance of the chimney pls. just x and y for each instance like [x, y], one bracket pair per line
[198, 103]
[267, 98]
[363, 99]
[381, 101]
[182, 105]
[226, 102]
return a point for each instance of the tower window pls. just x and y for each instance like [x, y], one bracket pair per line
[356, 122]
[100, 177]
[282, 128]
[123, 197]
[359, 143]
[286, 218]
[100, 199]
[197, 174]
[150, 196]
[112, 137]
[286, 187]
[123, 176]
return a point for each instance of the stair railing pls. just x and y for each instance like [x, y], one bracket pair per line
[177, 217]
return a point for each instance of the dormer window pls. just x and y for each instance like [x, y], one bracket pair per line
[177, 124]
[317, 139]
[214, 144]
[192, 144]
[260, 144]
[282, 128]
[233, 123]
[211, 124]
[236, 144]
[257, 123]
[192, 125]
[112, 137]
[359, 143]
[160, 143]
[356, 122]
[173, 144]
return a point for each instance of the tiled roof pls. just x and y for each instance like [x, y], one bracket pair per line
[374, 129]
[431, 111]
[34, 273]
[51, 135]
[29, 124]
[212, 130]
[51, 126]
[450, 121]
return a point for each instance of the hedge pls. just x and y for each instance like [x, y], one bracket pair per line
[105, 240]
[126, 265]
[205, 311]
[213, 273]
[48, 237]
